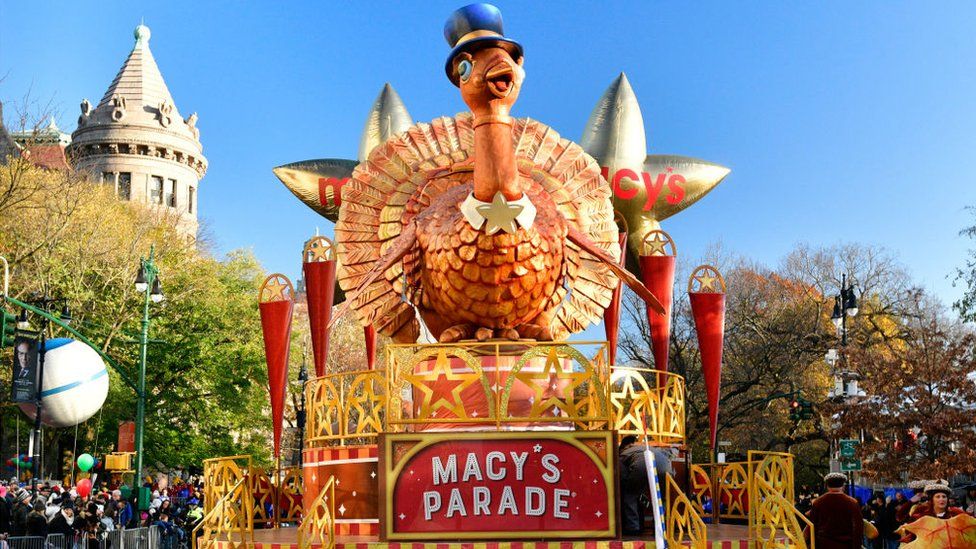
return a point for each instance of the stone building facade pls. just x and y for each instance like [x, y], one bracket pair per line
[136, 140]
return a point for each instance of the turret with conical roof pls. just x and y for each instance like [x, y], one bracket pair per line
[136, 140]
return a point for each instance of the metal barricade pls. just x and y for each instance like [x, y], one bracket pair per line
[113, 539]
[26, 542]
[58, 541]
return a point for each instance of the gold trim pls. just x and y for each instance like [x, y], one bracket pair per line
[475, 34]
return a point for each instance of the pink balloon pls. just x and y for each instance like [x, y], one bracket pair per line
[3, 491]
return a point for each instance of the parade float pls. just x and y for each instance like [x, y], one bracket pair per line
[479, 244]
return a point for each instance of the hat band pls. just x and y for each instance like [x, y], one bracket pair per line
[475, 34]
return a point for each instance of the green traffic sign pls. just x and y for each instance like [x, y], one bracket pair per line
[850, 465]
[848, 447]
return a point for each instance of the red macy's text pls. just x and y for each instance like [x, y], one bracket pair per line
[673, 181]
[336, 185]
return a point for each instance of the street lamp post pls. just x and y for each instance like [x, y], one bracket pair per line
[147, 282]
[845, 381]
[300, 413]
[45, 304]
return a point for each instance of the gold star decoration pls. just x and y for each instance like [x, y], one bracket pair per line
[630, 402]
[550, 398]
[318, 249]
[276, 288]
[367, 403]
[709, 280]
[656, 243]
[500, 214]
[440, 383]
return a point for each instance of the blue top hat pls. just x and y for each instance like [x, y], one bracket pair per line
[476, 26]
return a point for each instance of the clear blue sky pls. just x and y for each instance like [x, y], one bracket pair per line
[840, 120]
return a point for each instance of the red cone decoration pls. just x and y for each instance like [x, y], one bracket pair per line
[276, 301]
[319, 268]
[369, 333]
[657, 273]
[706, 290]
[611, 316]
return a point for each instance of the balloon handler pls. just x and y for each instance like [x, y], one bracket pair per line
[634, 488]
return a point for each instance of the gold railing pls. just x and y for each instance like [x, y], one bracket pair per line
[497, 385]
[494, 385]
[778, 523]
[733, 488]
[236, 495]
[318, 524]
[648, 401]
[221, 476]
[346, 407]
[290, 492]
[682, 519]
[773, 520]
[230, 519]
[283, 497]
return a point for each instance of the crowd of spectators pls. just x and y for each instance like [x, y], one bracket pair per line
[49, 508]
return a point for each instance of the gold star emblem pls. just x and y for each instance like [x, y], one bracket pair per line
[318, 249]
[276, 288]
[367, 403]
[709, 280]
[630, 402]
[439, 384]
[500, 214]
[655, 246]
[551, 397]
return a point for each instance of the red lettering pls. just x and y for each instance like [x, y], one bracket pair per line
[618, 190]
[336, 186]
[675, 183]
[653, 189]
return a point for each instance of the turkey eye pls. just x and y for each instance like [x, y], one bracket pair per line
[464, 70]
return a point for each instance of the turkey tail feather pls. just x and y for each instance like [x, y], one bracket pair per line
[590, 247]
[399, 248]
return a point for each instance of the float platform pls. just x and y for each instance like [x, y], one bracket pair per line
[720, 536]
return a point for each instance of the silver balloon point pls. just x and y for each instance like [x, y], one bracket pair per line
[387, 117]
[614, 133]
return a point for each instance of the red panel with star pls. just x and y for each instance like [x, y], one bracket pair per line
[545, 484]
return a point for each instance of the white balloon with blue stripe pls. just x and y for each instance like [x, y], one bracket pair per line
[75, 384]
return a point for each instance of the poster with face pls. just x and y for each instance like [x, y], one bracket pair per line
[24, 384]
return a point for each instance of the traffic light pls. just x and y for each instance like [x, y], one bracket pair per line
[795, 410]
[8, 329]
[806, 409]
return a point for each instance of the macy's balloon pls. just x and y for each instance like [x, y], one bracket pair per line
[647, 188]
[75, 384]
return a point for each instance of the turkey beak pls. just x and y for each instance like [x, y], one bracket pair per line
[500, 79]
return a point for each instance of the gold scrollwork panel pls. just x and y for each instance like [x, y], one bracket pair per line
[648, 402]
[683, 521]
[318, 524]
[347, 407]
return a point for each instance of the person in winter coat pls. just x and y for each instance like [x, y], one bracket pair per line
[4, 515]
[634, 483]
[836, 517]
[63, 522]
[36, 521]
[18, 515]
